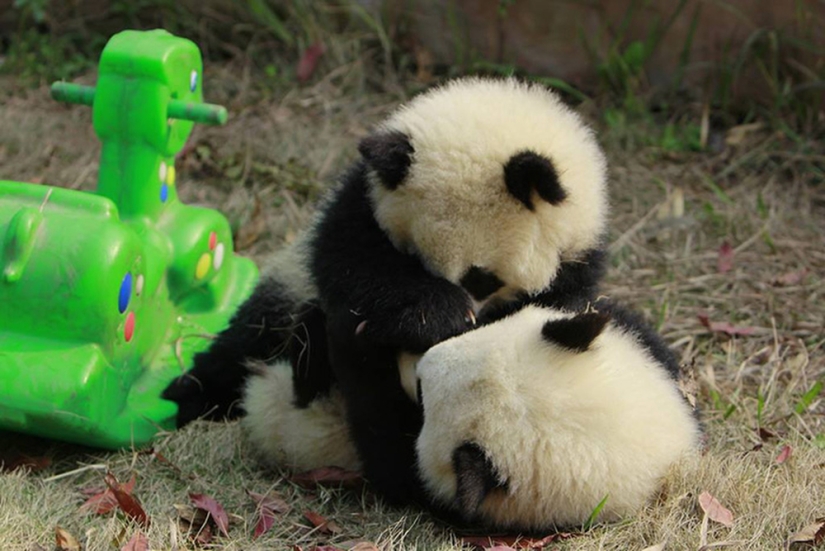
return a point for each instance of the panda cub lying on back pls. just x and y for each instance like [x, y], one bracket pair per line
[469, 201]
[529, 422]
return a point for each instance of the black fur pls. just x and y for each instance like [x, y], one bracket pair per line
[384, 423]
[258, 330]
[576, 333]
[389, 154]
[480, 283]
[476, 477]
[527, 171]
[358, 272]
[311, 371]
[635, 324]
[575, 286]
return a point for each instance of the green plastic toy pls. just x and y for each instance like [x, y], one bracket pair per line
[106, 296]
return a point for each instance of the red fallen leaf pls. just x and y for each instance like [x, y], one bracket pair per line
[327, 477]
[127, 502]
[321, 523]
[724, 327]
[9, 463]
[268, 506]
[308, 62]
[784, 455]
[64, 541]
[137, 543]
[215, 509]
[724, 262]
[500, 548]
[102, 500]
[515, 542]
[715, 510]
[790, 278]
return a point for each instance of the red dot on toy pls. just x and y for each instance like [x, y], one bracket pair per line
[213, 240]
[129, 326]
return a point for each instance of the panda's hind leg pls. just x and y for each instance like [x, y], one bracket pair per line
[259, 330]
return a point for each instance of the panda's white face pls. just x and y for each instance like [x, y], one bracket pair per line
[501, 178]
[531, 421]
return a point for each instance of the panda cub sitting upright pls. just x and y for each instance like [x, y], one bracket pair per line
[529, 422]
[469, 201]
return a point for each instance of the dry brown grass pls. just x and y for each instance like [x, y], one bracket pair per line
[668, 226]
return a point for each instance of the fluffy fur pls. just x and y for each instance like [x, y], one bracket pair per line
[286, 435]
[531, 421]
[470, 201]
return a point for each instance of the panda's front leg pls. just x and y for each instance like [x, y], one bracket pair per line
[415, 317]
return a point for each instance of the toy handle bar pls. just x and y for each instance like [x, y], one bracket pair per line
[206, 113]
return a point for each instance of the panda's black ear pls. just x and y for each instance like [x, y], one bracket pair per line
[476, 477]
[527, 171]
[389, 154]
[576, 333]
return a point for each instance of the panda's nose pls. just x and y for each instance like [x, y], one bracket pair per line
[480, 283]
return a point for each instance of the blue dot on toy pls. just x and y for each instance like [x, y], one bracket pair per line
[125, 293]
[193, 81]
[164, 193]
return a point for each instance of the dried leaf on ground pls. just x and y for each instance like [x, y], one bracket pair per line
[215, 510]
[137, 543]
[715, 510]
[724, 262]
[308, 62]
[102, 500]
[813, 534]
[724, 327]
[364, 546]
[515, 542]
[657, 547]
[790, 278]
[64, 541]
[129, 504]
[322, 523]
[325, 548]
[269, 505]
[784, 454]
[327, 477]
[12, 462]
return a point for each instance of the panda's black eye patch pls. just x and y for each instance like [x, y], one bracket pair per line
[527, 171]
[476, 477]
[389, 154]
[480, 283]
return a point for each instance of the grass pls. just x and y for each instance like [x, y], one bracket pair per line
[760, 190]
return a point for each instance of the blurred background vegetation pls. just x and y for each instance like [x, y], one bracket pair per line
[657, 72]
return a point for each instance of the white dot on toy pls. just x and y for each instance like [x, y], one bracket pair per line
[193, 81]
[219, 252]
[162, 172]
[139, 284]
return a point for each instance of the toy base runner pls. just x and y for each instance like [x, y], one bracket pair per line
[105, 297]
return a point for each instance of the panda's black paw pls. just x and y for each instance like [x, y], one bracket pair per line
[419, 324]
[205, 391]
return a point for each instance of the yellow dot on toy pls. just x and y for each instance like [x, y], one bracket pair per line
[170, 175]
[203, 266]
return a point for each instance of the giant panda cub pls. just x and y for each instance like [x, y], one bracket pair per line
[529, 422]
[469, 201]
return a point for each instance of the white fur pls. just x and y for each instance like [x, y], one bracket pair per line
[286, 436]
[454, 210]
[565, 429]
